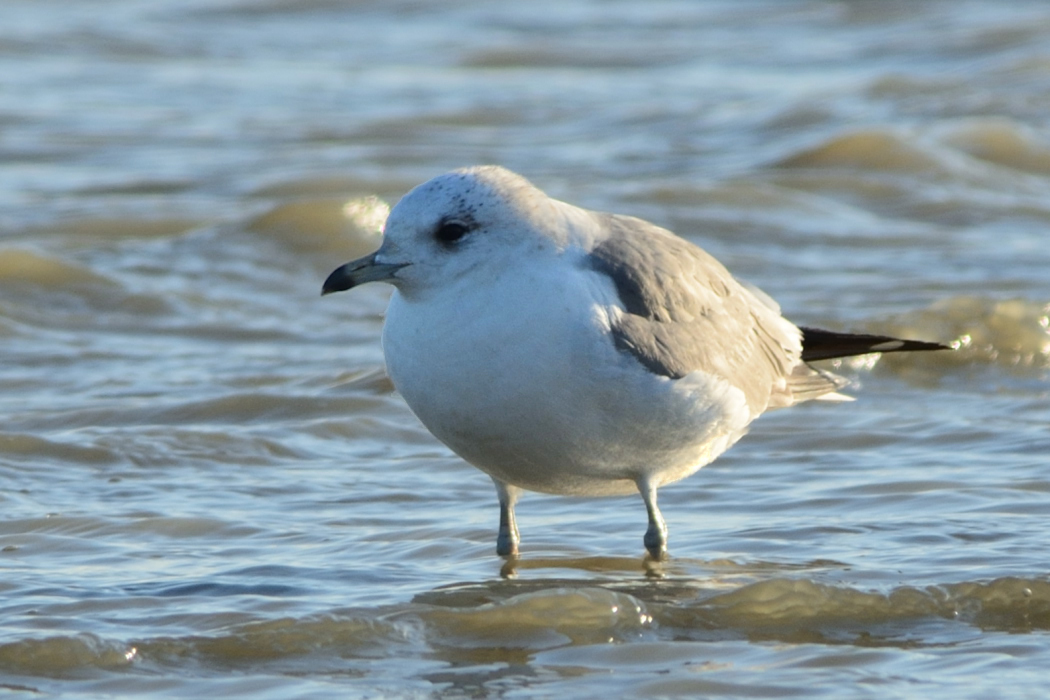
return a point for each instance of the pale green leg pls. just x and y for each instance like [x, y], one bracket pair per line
[656, 534]
[508, 538]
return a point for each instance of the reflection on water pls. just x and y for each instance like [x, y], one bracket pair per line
[208, 485]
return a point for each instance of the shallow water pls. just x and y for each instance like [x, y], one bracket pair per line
[209, 487]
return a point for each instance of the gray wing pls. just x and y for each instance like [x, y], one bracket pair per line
[685, 312]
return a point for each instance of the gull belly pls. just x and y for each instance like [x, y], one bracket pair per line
[561, 411]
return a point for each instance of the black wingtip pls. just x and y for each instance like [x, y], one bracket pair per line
[819, 344]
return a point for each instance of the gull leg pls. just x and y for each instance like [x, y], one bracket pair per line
[656, 534]
[508, 538]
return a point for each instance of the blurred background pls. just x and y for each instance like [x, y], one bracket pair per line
[208, 485]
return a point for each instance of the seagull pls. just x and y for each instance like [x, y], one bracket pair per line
[576, 352]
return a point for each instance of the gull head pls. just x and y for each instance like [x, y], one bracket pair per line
[468, 222]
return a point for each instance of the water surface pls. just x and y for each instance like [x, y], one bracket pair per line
[208, 486]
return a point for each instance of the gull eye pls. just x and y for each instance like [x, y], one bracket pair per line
[450, 231]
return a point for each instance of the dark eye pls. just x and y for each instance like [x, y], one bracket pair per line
[450, 231]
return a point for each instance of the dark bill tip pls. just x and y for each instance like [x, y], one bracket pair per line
[340, 280]
[358, 272]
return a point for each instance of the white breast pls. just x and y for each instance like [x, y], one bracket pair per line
[523, 381]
